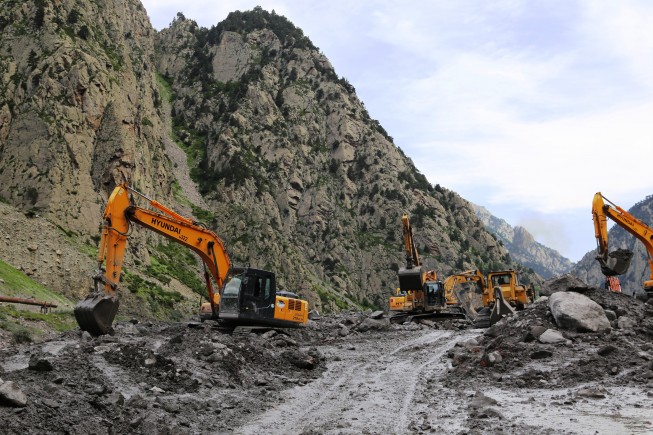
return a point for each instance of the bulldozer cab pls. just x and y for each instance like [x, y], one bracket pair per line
[508, 281]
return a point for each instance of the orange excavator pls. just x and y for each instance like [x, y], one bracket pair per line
[244, 295]
[617, 262]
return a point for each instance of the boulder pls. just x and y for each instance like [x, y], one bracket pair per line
[576, 312]
[11, 395]
[551, 336]
[626, 323]
[561, 284]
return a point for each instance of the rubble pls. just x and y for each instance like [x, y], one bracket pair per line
[563, 341]
[172, 378]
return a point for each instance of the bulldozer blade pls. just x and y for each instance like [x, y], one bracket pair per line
[616, 263]
[501, 308]
[95, 314]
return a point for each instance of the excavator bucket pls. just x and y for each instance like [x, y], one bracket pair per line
[410, 279]
[501, 308]
[95, 314]
[616, 263]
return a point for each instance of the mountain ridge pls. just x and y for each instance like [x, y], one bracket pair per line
[283, 160]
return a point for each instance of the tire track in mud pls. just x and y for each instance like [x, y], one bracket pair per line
[369, 385]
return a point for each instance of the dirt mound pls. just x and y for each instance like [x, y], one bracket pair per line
[529, 350]
[153, 378]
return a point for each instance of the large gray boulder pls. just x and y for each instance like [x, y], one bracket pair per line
[11, 395]
[576, 312]
[561, 284]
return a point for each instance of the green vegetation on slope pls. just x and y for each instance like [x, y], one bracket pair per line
[22, 321]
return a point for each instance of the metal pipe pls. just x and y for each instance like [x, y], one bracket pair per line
[28, 302]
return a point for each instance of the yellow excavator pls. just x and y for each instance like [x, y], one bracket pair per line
[420, 293]
[617, 262]
[245, 296]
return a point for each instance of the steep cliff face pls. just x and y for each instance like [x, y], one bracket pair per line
[79, 107]
[304, 181]
[588, 268]
[523, 248]
[281, 158]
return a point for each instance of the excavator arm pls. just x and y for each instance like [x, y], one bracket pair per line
[412, 256]
[468, 276]
[617, 263]
[411, 277]
[95, 314]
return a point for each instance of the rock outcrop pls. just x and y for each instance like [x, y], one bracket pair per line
[523, 248]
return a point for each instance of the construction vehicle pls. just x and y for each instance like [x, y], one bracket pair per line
[498, 294]
[458, 282]
[245, 295]
[512, 290]
[617, 262]
[420, 294]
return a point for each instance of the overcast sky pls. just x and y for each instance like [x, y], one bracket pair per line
[527, 108]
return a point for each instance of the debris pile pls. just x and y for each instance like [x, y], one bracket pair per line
[151, 378]
[577, 335]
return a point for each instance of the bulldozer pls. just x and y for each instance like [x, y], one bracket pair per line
[244, 296]
[500, 294]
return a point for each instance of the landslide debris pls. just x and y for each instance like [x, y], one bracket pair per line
[151, 378]
[531, 350]
[166, 377]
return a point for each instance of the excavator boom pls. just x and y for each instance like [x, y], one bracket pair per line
[95, 314]
[617, 262]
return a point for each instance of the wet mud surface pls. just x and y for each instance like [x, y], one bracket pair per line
[342, 374]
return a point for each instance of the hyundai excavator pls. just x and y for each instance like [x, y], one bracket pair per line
[420, 293]
[244, 296]
[617, 262]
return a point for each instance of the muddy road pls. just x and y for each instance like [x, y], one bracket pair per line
[398, 383]
[373, 384]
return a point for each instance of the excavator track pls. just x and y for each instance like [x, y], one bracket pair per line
[436, 315]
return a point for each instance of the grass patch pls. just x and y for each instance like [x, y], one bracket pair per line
[25, 324]
[176, 261]
[17, 284]
[161, 303]
[326, 298]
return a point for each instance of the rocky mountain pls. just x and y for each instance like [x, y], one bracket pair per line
[246, 125]
[639, 271]
[523, 248]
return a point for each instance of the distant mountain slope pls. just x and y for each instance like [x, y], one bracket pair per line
[523, 248]
[588, 268]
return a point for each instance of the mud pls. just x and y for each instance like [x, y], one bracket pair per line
[342, 374]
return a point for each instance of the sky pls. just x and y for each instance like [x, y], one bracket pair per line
[526, 108]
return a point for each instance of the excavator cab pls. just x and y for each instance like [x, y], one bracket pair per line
[249, 296]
